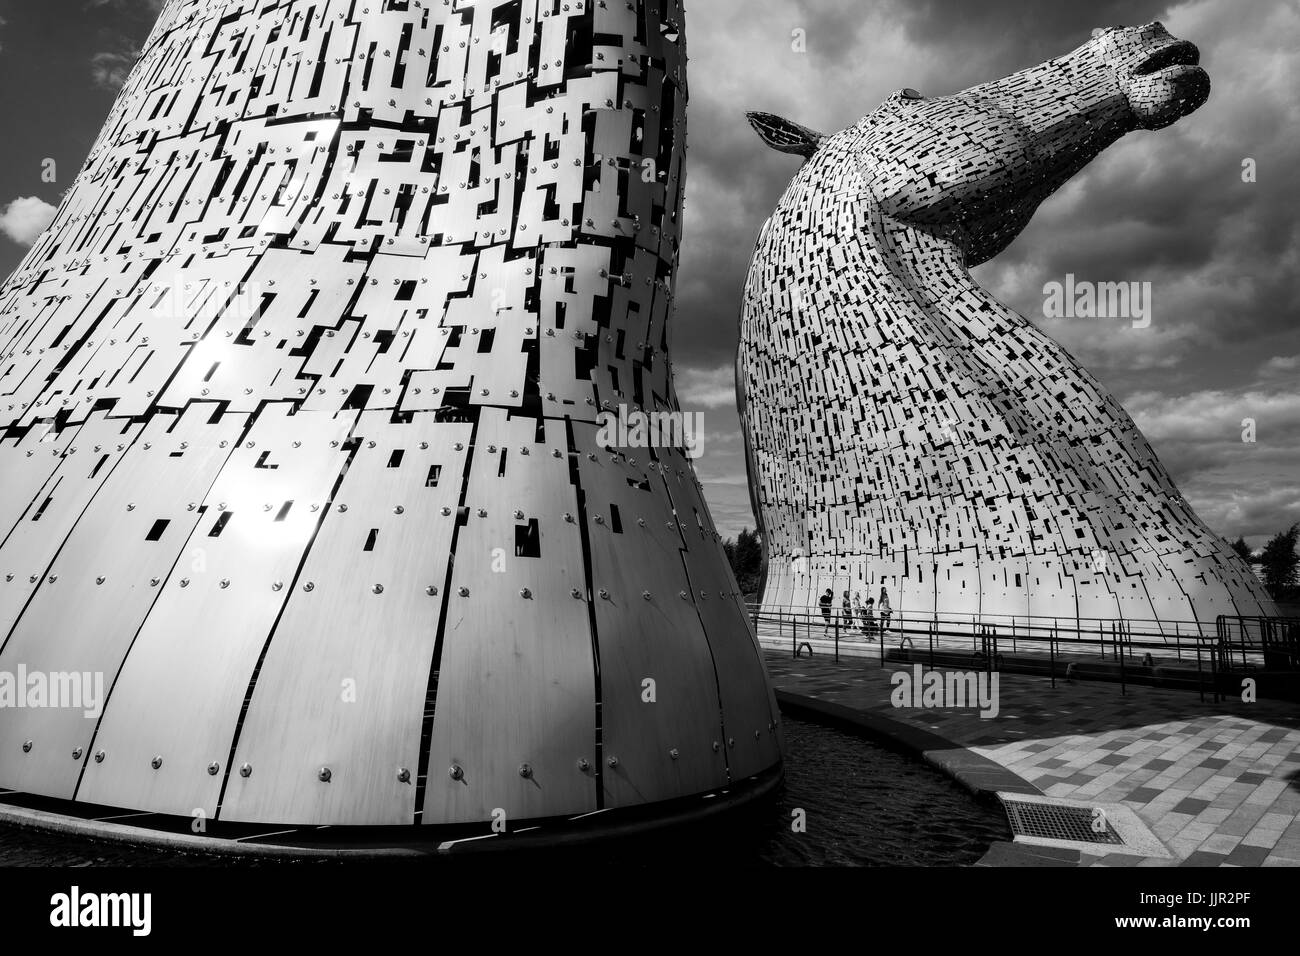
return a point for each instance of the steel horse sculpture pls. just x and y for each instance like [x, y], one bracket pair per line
[302, 390]
[904, 429]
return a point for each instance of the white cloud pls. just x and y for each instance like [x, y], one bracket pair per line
[706, 387]
[26, 218]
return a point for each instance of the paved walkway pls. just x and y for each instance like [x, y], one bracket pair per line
[1218, 784]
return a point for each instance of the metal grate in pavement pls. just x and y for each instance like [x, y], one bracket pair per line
[1052, 822]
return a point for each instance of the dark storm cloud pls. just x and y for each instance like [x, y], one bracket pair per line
[1042, 27]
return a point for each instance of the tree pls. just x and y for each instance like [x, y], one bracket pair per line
[746, 557]
[1280, 563]
[1243, 549]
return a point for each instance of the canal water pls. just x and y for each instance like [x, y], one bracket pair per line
[860, 805]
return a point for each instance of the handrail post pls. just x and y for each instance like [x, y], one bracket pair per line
[837, 640]
[1119, 647]
[1051, 651]
[1200, 675]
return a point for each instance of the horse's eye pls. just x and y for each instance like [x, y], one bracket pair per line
[910, 94]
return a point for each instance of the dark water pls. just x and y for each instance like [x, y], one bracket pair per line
[863, 805]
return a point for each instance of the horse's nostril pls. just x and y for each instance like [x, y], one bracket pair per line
[1099, 31]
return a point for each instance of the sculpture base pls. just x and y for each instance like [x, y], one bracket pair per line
[175, 834]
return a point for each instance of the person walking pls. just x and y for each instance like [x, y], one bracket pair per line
[861, 609]
[885, 611]
[846, 609]
[869, 616]
[826, 601]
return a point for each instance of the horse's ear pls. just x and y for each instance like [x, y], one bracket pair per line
[784, 136]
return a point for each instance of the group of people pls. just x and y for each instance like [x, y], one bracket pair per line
[864, 613]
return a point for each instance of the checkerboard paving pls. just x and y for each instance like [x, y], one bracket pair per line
[1219, 784]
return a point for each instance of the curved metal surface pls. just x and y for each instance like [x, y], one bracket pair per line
[336, 304]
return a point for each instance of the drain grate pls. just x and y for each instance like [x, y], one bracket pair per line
[1056, 822]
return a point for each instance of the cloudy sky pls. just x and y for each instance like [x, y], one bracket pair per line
[1169, 208]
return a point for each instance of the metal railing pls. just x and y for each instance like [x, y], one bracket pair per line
[1130, 646]
[1272, 642]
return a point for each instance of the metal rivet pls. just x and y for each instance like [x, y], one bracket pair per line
[463, 592]
[99, 756]
[525, 771]
[324, 774]
[456, 773]
[431, 591]
[225, 583]
[156, 762]
[526, 594]
[403, 775]
[584, 764]
[214, 768]
[378, 589]
[277, 586]
[246, 770]
[612, 761]
[716, 746]
[309, 587]
[78, 753]
[674, 753]
[27, 746]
